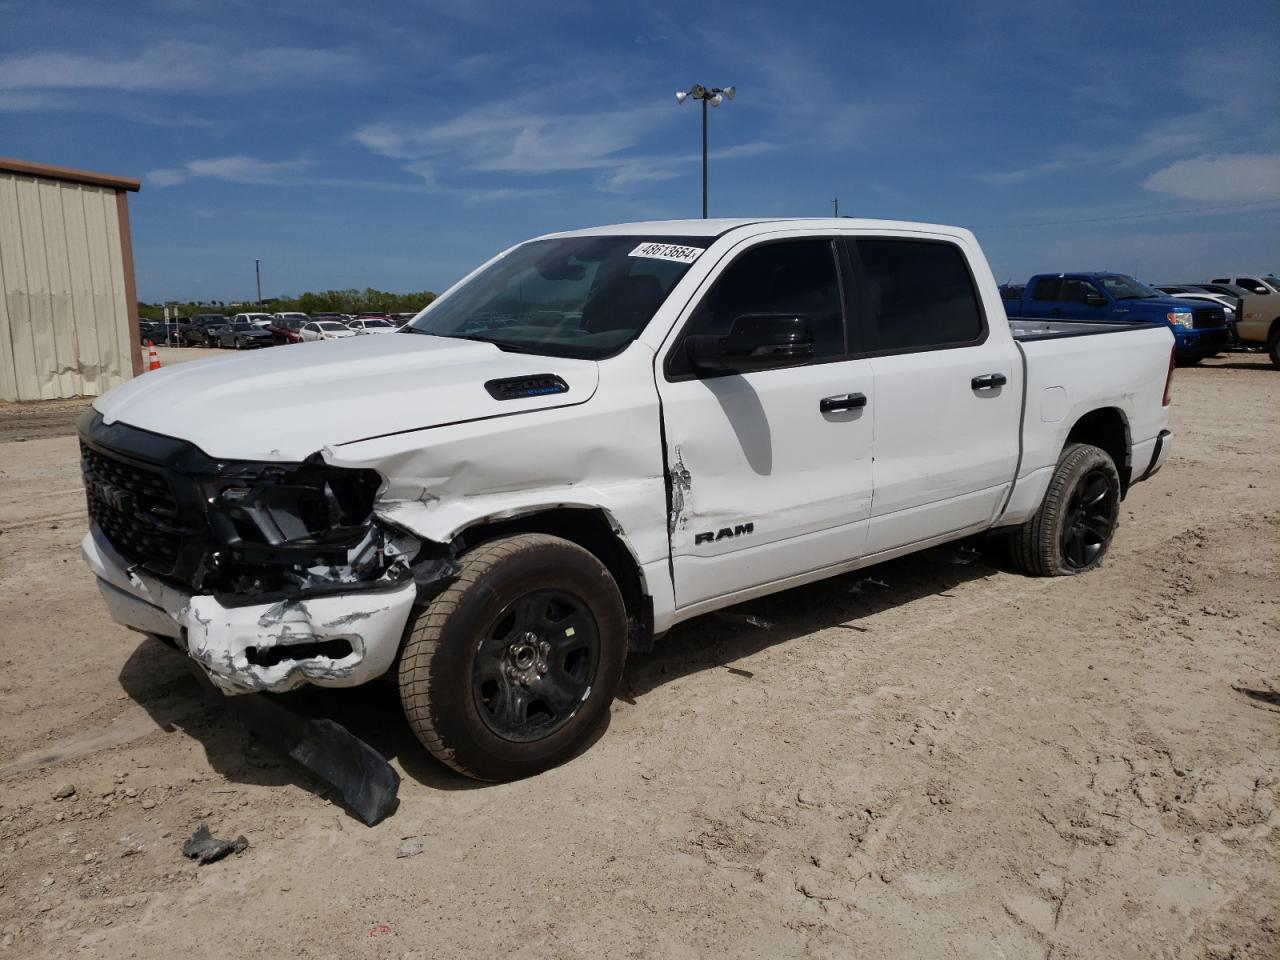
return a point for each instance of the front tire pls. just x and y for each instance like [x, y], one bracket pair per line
[1273, 348]
[511, 670]
[1077, 519]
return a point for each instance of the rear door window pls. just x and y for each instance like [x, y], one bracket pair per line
[1076, 291]
[915, 295]
[1046, 289]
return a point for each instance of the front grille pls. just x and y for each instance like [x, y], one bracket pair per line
[1209, 317]
[134, 507]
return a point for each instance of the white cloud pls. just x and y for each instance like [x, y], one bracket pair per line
[178, 66]
[630, 175]
[513, 139]
[237, 169]
[1221, 179]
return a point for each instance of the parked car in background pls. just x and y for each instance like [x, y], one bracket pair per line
[202, 330]
[1260, 323]
[257, 319]
[324, 330]
[244, 336]
[400, 319]
[291, 316]
[1187, 292]
[556, 464]
[363, 325]
[1264, 283]
[159, 332]
[340, 317]
[1199, 331]
[286, 331]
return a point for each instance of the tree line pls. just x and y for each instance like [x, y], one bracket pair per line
[368, 300]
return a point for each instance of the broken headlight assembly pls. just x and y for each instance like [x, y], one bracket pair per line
[286, 528]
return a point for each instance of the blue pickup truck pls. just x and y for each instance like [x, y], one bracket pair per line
[1199, 327]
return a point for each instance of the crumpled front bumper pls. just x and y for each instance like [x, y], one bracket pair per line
[338, 640]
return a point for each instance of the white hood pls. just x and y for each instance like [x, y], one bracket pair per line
[286, 403]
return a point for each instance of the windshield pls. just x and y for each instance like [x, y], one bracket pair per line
[1127, 288]
[375, 324]
[331, 325]
[243, 326]
[584, 297]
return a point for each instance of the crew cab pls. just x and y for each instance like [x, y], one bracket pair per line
[1199, 328]
[1259, 323]
[595, 436]
[202, 330]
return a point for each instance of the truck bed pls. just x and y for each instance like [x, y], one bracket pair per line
[1031, 328]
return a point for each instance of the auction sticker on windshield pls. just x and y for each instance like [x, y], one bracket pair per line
[667, 251]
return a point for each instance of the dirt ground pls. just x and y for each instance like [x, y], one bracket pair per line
[936, 757]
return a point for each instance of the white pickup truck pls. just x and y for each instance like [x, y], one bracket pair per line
[592, 437]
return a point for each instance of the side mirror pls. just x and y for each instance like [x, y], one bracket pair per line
[1095, 300]
[756, 341]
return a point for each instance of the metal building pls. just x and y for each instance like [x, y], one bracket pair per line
[69, 312]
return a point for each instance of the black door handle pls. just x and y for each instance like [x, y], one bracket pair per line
[845, 401]
[988, 381]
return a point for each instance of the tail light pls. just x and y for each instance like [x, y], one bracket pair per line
[1168, 380]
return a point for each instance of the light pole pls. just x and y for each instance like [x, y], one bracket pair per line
[257, 271]
[714, 96]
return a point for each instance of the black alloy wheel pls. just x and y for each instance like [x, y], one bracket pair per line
[535, 665]
[1090, 519]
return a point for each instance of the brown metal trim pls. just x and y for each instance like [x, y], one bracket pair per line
[9, 165]
[130, 283]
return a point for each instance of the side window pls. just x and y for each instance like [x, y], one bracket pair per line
[1076, 291]
[919, 295]
[795, 276]
[1046, 289]
[1252, 285]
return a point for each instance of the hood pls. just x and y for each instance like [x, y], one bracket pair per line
[287, 403]
[1166, 303]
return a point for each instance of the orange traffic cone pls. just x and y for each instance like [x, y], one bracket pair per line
[153, 358]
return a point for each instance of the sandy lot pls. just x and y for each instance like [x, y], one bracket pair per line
[933, 758]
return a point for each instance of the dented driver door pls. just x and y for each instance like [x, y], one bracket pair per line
[769, 470]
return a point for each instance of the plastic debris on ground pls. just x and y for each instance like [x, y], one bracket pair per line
[206, 848]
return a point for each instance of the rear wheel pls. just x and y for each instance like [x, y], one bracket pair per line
[1273, 347]
[511, 670]
[1077, 519]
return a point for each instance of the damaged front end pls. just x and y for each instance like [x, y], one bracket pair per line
[270, 575]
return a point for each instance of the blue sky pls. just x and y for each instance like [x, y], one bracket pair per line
[397, 145]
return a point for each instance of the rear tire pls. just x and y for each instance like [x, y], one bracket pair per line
[1077, 519]
[511, 670]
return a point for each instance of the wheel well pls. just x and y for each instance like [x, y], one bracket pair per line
[591, 530]
[1108, 430]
